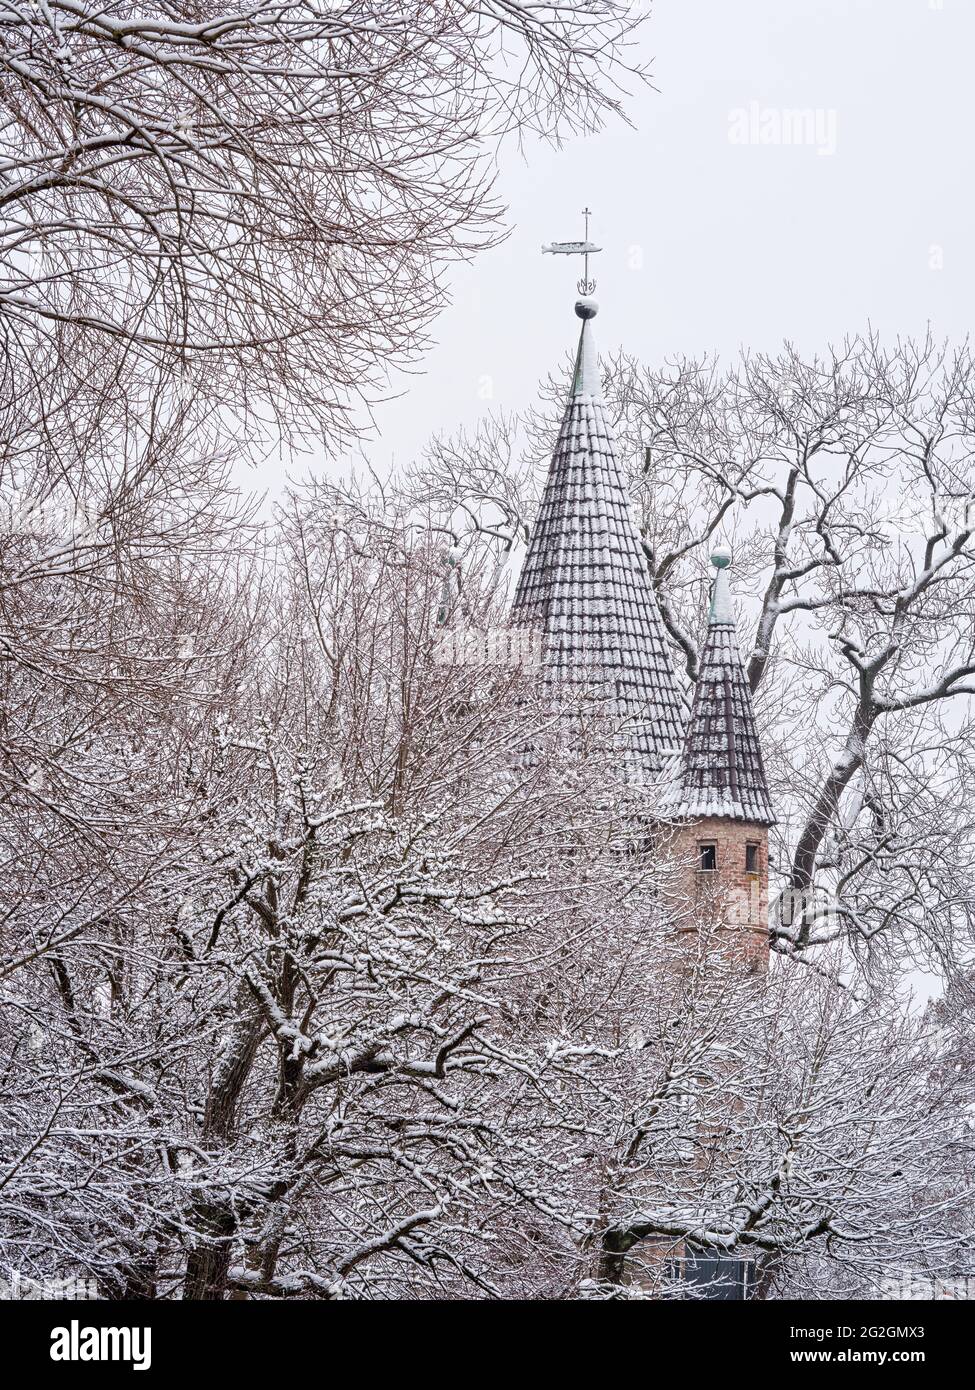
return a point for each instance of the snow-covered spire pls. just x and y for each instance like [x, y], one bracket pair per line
[585, 583]
[720, 771]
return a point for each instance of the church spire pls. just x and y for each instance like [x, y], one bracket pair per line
[585, 583]
[720, 772]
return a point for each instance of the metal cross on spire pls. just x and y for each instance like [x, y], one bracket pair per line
[584, 248]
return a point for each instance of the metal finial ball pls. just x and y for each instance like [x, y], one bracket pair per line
[721, 557]
[586, 308]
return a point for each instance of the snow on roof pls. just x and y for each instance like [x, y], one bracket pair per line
[720, 770]
[585, 582]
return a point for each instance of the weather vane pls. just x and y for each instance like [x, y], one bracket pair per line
[583, 248]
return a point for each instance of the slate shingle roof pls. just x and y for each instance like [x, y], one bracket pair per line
[585, 582]
[720, 770]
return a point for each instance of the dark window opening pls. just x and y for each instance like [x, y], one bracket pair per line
[708, 857]
[751, 859]
[710, 1275]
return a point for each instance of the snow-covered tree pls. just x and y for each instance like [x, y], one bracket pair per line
[278, 1059]
[262, 199]
[335, 957]
[815, 1138]
[370, 988]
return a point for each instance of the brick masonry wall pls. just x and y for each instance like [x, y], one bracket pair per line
[739, 900]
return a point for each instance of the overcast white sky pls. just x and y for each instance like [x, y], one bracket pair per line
[743, 244]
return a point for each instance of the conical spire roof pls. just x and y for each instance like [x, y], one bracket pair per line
[585, 582]
[720, 770]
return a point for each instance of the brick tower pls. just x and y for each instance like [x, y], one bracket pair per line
[718, 797]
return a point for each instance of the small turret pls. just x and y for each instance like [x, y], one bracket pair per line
[718, 794]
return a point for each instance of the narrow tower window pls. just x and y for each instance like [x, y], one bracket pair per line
[751, 859]
[707, 856]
